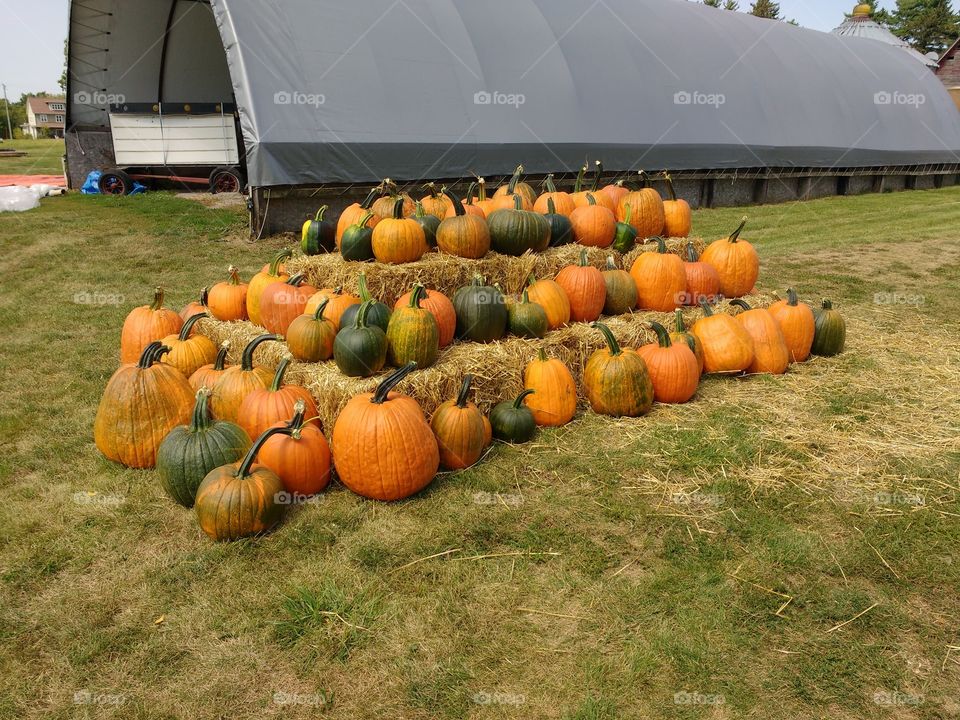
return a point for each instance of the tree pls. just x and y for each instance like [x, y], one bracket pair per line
[731, 5]
[766, 9]
[712, 3]
[928, 25]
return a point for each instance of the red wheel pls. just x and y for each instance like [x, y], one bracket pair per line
[115, 182]
[225, 180]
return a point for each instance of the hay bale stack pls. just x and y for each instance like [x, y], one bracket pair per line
[497, 366]
[446, 273]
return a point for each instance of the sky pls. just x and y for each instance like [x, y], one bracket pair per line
[36, 29]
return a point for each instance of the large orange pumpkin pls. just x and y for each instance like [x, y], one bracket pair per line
[660, 278]
[585, 289]
[460, 430]
[144, 325]
[616, 380]
[677, 218]
[238, 381]
[727, 346]
[189, 354]
[338, 302]
[464, 235]
[268, 405]
[440, 307]
[383, 447]
[504, 194]
[310, 337]
[283, 302]
[436, 202]
[228, 300]
[142, 402]
[593, 225]
[672, 366]
[207, 376]
[703, 282]
[562, 202]
[736, 262]
[615, 192]
[770, 354]
[647, 216]
[398, 239]
[389, 194]
[301, 459]
[554, 400]
[797, 323]
[271, 273]
[355, 213]
[552, 298]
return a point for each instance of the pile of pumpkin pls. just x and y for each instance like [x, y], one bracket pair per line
[239, 444]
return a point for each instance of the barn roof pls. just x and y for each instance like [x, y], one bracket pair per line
[861, 25]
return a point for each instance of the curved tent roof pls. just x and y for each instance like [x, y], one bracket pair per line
[861, 25]
[337, 91]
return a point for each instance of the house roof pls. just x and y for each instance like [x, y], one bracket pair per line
[860, 24]
[948, 52]
[42, 104]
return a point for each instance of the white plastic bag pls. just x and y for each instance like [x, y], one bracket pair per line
[18, 199]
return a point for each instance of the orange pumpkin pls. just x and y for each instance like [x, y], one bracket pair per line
[727, 346]
[389, 194]
[616, 380]
[621, 290]
[271, 273]
[460, 430]
[189, 354]
[482, 201]
[383, 447]
[647, 216]
[463, 235]
[660, 278]
[142, 402]
[283, 302]
[144, 325]
[355, 213]
[238, 381]
[562, 202]
[398, 239]
[436, 203]
[552, 298]
[585, 288]
[677, 218]
[554, 400]
[770, 354]
[797, 323]
[672, 366]
[201, 304]
[440, 307]
[703, 282]
[268, 405]
[207, 376]
[338, 302]
[228, 300]
[593, 225]
[515, 187]
[736, 262]
[469, 203]
[680, 334]
[615, 192]
[301, 459]
[310, 337]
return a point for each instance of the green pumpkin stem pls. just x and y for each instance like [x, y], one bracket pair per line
[246, 360]
[297, 421]
[457, 203]
[741, 303]
[295, 280]
[188, 326]
[318, 313]
[368, 201]
[319, 216]
[146, 357]
[608, 336]
[416, 296]
[692, 255]
[661, 245]
[792, 298]
[678, 318]
[663, 337]
[611, 265]
[419, 212]
[202, 419]
[583, 258]
[519, 401]
[470, 188]
[517, 202]
[398, 208]
[670, 190]
[551, 206]
[591, 200]
[248, 459]
[512, 187]
[705, 306]
[736, 233]
[390, 381]
[221, 358]
[361, 321]
[362, 222]
[596, 177]
[204, 296]
[464, 390]
[626, 218]
[157, 303]
[431, 187]
[826, 304]
[362, 290]
[525, 297]
[277, 259]
[542, 354]
[482, 189]
[158, 353]
[578, 185]
[278, 375]
[551, 187]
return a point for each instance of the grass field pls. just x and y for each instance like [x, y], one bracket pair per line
[778, 548]
[43, 157]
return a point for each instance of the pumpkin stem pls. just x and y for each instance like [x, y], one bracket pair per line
[542, 354]
[146, 357]
[157, 303]
[431, 188]
[205, 296]
[629, 214]
[596, 177]
[826, 304]
[319, 216]
[362, 290]
[416, 296]
[611, 265]
[221, 355]
[297, 422]
[644, 181]
[248, 459]
[707, 310]
[583, 257]
[692, 255]
[246, 360]
[295, 280]
[277, 259]
[519, 401]
[390, 381]
[398, 208]
[678, 318]
[278, 375]
[591, 200]
[511, 188]
[551, 206]
[470, 188]
[661, 245]
[741, 303]
[482, 189]
[188, 326]
[318, 313]
[792, 298]
[457, 204]
[608, 336]
[201, 411]
[663, 337]
[525, 297]
[736, 233]
[578, 186]
[517, 202]
[670, 190]
[234, 276]
[551, 187]
[464, 389]
[361, 321]
[368, 201]
[362, 222]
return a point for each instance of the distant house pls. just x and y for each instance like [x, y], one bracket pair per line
[948, 70]
[45, 117]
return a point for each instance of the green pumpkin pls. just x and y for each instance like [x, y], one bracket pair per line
[318, 235]
[514, 231]
[561, 230]
[481, 312]
[378, 314]
[528, 319]
[429, 223]
[357, 241]
[189, 452]
[625, 236]
[513, 421]
[830, 331]
[413, 334]
[621, 290]
[360, 350]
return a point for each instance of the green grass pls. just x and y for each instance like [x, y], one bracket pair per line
[667, 544]
[43, 157]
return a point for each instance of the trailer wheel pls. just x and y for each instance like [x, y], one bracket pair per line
[115, 182]
[225, 180]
